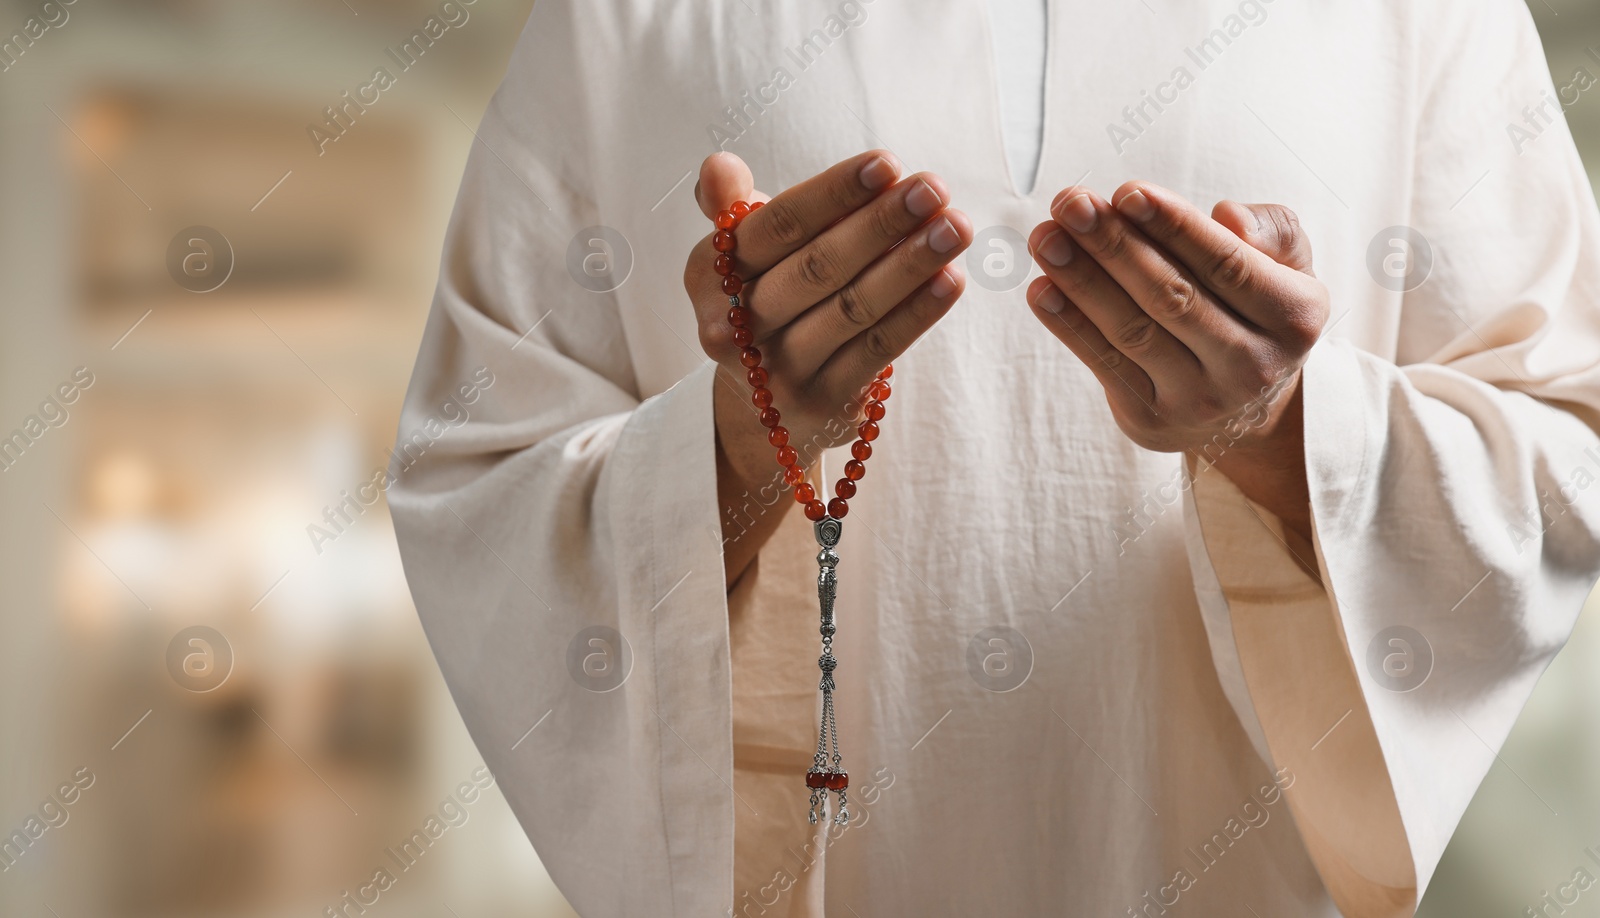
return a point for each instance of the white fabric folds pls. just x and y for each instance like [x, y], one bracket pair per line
[1191, 716]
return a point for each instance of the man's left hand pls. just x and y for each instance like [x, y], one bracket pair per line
[1195, 326]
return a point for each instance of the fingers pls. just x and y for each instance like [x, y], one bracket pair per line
[1246, 278]
[1161, 286]
[724, 178]
[854, 363]
[811, 339]
[826, 265]
[829, 261]
[1123, 322]
[794, 217]
[1118, 375]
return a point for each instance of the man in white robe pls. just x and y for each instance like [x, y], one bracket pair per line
[1219, 715]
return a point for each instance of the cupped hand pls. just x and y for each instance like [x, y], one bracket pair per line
[1196, 326]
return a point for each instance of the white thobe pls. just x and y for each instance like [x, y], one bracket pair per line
[1186, 658]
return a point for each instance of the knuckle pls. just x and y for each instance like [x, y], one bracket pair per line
[853, 307]
[879, 347]
[1319, 320]
[1291, 236]
[1112, 244]
[1135, 333]
[1175, 298]
[783, 223]
[1230, 269]
[1302, 332]
[1303, 325]
[819, 269]
[1112, 359]
[884, 223]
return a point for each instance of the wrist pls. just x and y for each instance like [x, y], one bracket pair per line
[1276, 447]
[1270, 428]
[1270, 468]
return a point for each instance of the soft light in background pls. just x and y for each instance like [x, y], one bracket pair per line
[205, 433]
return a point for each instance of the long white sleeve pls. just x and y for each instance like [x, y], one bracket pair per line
[1448, 491]
[577, 490]
[565, 502]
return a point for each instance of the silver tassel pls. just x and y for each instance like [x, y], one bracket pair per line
[826, 775]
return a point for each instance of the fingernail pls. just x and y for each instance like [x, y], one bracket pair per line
[1056, 249]
[877, 173]
[1079, 213]
[1254, 226]
[1137, 207]
[943, 237]
[943, 285]
[1051, 300]
[922, 200]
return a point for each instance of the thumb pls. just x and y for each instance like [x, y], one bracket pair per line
[724, 178]
[1272, 228]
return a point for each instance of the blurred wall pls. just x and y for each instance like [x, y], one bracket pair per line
[209, 711]
[172, 483]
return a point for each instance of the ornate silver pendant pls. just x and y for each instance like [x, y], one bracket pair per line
[827, 768]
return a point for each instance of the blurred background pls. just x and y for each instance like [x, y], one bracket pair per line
[205, 707]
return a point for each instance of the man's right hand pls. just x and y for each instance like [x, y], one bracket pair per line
[842, 273]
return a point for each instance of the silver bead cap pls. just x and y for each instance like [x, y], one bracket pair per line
[828, 531]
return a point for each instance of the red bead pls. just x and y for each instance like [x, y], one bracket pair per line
[844, 488]
[762, 398]
[778, 436]
[853, 470]
[769, 417]
[793, 476]
[815, 511]
[837, 508]
[787, 456]
[757, 205]
[868, 430]
[836, 780]
[750, 357]
[743, 337]
[878, 391]
[723, 264]
[804, 493]
[722, 241]
[740, 211]
[874, 410]
[738, 316]
[726, 220]
[886, 372]
[816, 779]
[757, 377]
[861, 449]
[731, 285]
